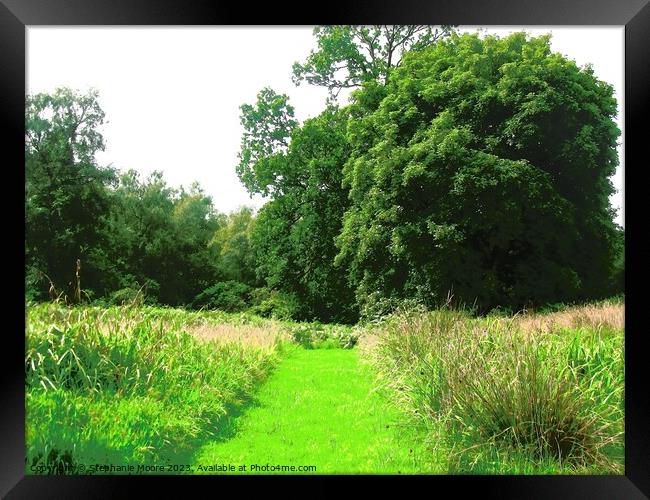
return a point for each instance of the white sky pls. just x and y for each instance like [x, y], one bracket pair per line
[172, 94]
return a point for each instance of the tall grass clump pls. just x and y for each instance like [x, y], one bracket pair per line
[532, 395]
[128, 385]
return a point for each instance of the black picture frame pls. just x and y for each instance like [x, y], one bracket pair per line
[16, 15]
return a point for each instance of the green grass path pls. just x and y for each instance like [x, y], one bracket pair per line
[318, 408]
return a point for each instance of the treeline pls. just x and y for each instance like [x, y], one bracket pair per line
[465, 167]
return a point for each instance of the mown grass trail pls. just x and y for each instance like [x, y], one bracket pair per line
[318, 408]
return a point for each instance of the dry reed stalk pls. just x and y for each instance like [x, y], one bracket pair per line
[604, 315]
[265, 337]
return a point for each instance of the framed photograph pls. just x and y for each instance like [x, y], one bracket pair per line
[384, 244]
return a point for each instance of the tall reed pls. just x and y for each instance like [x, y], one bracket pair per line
[543, 391]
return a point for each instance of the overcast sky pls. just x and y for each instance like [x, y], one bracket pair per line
[172, 95]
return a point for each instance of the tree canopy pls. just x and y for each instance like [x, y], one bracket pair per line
[484, 172]
[267, 129]
[349, 56]
[465, 166]
[128, 233]
[65, 190]
[295, 232]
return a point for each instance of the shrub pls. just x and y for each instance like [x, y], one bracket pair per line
[303, 335]
[229, 296]
[376, 307]
[274, 304]
[125, 296]
[33, 285]
[132, 293]
[317, 335]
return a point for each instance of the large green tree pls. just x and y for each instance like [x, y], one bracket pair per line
[300, 167]
[483, 170]
[232, 242]
[267, 125]
[159, 238]
[294, 234]
[66, 200]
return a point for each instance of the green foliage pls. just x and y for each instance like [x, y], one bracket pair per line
[376, 307]
[464, 167]
[33, 284]
[348, 56]
[267, 127]
[302, 335]
[294, 234]
[131, 235]
[229, 296]
[125, 296]
[273, 304]
[618, 273]
[65, 191]
[161, 235]
[465, 178]
[232, 244]
[320, 336]
[126, 232]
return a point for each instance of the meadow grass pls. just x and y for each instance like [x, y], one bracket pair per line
[132, 385]
[319, 408]
[529, 394]
[419, 392]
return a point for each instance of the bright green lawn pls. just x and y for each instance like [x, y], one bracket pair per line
[318, 408]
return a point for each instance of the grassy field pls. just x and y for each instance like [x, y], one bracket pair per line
[418, 392]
